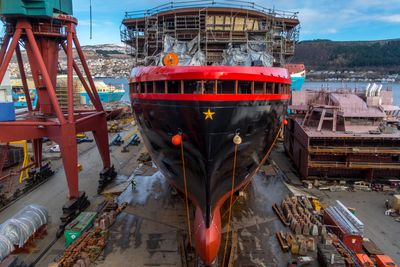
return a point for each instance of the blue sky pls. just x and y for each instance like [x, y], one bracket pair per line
[341, 20]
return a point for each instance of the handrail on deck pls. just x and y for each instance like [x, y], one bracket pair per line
[353, 165]
[354, 150]
[210, 3]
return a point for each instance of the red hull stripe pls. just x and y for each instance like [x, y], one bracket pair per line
[212, 97]
[241, 73]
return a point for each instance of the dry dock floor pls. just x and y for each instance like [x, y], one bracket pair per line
[53, 193]
[147, 232]
[370, 208]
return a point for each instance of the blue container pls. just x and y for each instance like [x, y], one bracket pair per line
[7, 112]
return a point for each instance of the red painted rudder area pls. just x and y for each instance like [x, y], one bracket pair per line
[207, 240]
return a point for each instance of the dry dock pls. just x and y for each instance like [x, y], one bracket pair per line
[149, 232]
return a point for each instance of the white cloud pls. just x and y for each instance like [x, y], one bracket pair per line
[367, 4]
[331, 30]
[391, 19]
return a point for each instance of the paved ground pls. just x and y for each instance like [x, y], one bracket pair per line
[370, 208]
[383, 230]
[147, 232]
[53, 194]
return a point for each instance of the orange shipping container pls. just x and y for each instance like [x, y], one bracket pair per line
[364, 260]
[384, 261]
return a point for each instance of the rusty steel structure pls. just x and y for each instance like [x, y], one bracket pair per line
[343, 134]
[43, 38]
[216, 24]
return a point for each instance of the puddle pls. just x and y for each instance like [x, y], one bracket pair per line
[146, 186]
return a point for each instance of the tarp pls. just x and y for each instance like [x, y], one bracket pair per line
[253, 54]
[188, 53]
[17, 230]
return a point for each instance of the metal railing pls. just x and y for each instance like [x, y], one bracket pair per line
[41, 28]
[354, 150]
[211, 3]
[353, 165]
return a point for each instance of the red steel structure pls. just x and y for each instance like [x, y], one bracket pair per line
[43, 38]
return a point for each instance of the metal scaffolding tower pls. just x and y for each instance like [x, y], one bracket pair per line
[216, 25]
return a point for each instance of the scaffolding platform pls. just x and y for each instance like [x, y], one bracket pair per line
[216, 25]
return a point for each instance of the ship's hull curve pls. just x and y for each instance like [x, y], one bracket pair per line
[208, 146]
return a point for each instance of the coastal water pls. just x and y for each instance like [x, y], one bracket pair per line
[123, 84]
[353, 85]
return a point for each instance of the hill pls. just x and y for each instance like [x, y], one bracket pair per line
[381, 56]
[327, 59]
[104, 60]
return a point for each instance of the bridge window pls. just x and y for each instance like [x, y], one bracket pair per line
[209, 87]
[132, 88]
[150, 87]
[227, 87]
[277, 88]
[174, 87]
[160, 87]
[269, 88]
[259, 87]
[244, 87]
[192, 87]
[140, 88]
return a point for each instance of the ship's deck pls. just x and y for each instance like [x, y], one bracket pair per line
[355, 132]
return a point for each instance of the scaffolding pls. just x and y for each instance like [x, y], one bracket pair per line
[216, 26]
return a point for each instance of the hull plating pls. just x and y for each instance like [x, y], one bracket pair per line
[208, 149]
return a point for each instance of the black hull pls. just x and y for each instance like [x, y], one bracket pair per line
[208, 145]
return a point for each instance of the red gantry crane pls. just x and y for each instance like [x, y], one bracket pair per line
[43, 28]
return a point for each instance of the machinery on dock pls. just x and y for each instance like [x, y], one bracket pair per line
[43, 28]
[211, 99]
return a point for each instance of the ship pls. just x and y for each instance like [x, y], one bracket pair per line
[297, 75]
[107, 93]
[209, 109]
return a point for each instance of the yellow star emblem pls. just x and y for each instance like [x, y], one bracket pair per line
[209, 114]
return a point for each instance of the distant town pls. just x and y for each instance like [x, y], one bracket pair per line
[112, 60]
[104, 61]
[351, 76]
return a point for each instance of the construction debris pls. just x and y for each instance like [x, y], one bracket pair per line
[86, 249]
[282, 241]
[300, 218]
[106, 177]
[328, 256]
[279, 212]
[71, 209]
